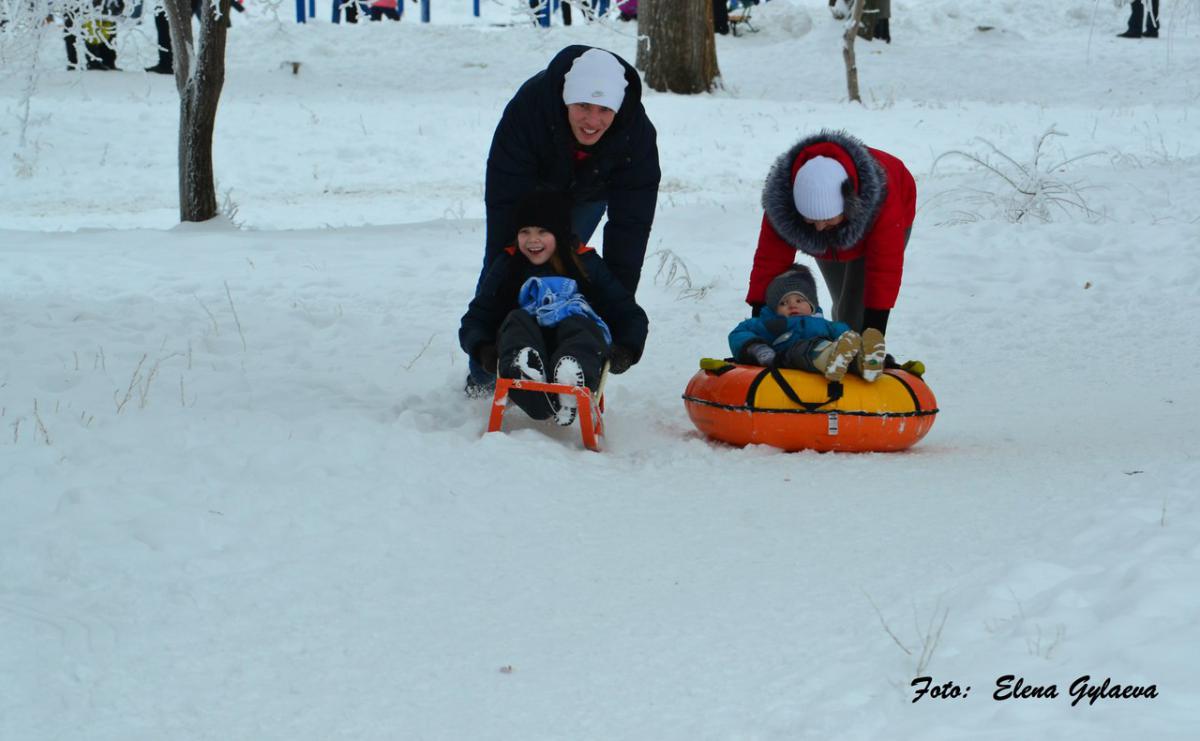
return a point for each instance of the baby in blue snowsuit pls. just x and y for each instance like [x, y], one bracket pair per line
[791, 332]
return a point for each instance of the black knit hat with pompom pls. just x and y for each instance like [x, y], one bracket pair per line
[550, 211]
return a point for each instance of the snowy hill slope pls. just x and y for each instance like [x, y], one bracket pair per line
[243, 496]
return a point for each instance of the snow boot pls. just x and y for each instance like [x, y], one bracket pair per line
[833, 359]
[525, 364]
[871, 358]
[529, 363]
[567, 372]
[477, 389]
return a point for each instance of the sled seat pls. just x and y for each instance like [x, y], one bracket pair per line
[590, 406]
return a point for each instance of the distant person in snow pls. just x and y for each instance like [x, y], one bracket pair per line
[790, 331]
[540, 7]
[876, 21]
[577, 128]
[98, 27]
[162, 31]
[549, 309]
[720, 15]
[851, 208]
[375, 10]
[1142, 24]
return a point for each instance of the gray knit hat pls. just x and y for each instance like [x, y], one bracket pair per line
[796, 279]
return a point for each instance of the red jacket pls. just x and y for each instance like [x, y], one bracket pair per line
[879, 216]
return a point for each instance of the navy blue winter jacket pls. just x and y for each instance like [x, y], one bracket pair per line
[533, 150]
[497, 296]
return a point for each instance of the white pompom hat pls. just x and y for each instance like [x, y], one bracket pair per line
[597, 77]
[817, 189]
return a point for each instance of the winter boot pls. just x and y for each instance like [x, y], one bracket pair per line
[567, 372]
[526, 364]
[475, 388]
[529, 363]
[870, 361]
[834, 358]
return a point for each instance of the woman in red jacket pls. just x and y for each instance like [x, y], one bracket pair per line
[849, 206]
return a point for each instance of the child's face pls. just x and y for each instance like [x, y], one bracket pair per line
[794, 304]
[536, 244]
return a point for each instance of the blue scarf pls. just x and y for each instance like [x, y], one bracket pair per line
[552, 299]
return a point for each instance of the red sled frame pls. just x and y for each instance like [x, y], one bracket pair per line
[590, 411]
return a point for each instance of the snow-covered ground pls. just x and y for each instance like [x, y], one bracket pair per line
[243, 497]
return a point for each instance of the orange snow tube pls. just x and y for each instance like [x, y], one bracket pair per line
[796, 410]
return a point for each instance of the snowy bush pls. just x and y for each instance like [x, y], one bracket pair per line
[1034, 188]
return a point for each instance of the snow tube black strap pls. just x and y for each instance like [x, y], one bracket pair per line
[834, 392]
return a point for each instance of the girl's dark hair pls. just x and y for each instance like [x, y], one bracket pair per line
[571, 266]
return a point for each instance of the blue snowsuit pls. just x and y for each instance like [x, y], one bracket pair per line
[782, 332]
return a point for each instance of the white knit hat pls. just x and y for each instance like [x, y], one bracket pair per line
[817, 189]
[596, 77]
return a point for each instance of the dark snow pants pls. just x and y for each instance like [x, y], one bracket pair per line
[847, 282]
[576, 336]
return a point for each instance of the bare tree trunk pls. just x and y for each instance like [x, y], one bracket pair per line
[676, 46]
[848, 51]
[643, 44]
[199, 77]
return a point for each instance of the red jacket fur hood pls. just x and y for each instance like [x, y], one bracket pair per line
[880, 208]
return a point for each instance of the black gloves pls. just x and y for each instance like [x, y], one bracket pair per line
[487, 356]
[876, 318]
[619, 359]
[759, 353]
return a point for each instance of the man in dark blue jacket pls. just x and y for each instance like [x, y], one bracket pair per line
[578, 128]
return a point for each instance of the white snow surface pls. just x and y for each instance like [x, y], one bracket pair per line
[242, 495]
